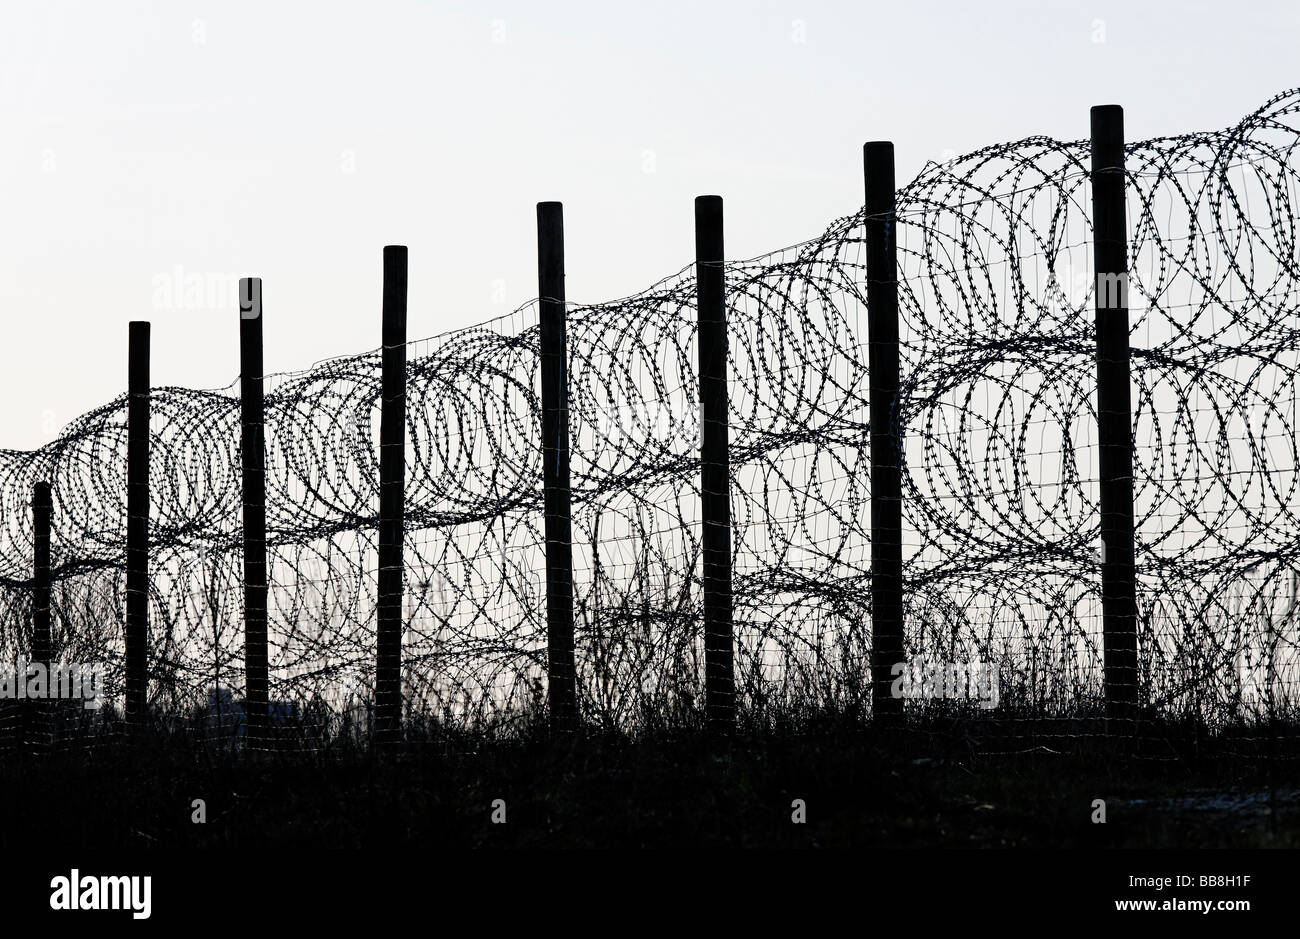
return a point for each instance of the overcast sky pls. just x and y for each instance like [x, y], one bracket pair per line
[154, 151]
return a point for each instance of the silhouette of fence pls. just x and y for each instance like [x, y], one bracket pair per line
[1006, 468]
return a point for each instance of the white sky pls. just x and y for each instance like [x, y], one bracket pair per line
[293, 140]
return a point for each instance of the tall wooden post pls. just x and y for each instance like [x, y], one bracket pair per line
[886, 435]
[561, 677]
[715, 469]
[252, 447]
[42, 520]
[1114, 417]
[392, 495]
[137, 524]
[42, 641]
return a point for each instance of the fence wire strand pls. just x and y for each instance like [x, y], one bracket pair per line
[997, 413]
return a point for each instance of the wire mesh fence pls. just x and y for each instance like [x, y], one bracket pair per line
[998, 419]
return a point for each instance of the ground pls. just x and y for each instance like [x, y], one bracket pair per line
[857, 788]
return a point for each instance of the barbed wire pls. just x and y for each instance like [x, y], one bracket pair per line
[997, 412]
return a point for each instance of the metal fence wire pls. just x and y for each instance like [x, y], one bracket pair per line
[998, 418]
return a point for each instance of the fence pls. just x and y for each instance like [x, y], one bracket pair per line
[707, 536]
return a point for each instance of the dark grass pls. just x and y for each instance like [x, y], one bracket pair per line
[937, 782]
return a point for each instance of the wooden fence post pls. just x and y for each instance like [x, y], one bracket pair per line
[1114, 417]
[252, 448]
[886, 434]
[560, 670]
[137, 526]
[42, 641]
[392, 495]
[715, 468]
